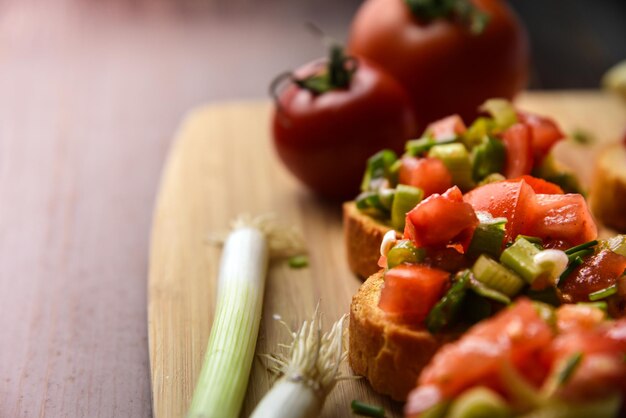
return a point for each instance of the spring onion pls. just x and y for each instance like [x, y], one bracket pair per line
[405, 199]
[308, 372]
[404, 251]
[224, 376]
[617, 244]
[444, 312]
[298, 261]
[457, 160]
[479, 402]
[488, 157]
[520, 257]
[417, 147]
[561, 374]
[603, 293]
[502, 111]
[367, 410]
[496, 276]
[378, 168]
[488, 236]
[573, 265]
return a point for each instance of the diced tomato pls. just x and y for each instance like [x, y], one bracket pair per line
[544, 132]
[429, 174]
[512, 200]
[446, 128]
[540, 185]
[439, 219]
[561, 217]
[514, 335]
[572, 317]
[519, 152]
[411, 290]
[598, 272]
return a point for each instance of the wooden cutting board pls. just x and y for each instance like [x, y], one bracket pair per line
[222, 164]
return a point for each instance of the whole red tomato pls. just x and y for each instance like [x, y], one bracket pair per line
[445, 66]
[325, 133]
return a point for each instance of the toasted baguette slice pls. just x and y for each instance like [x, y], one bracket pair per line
[363, 235]
[608, 192]
[390, 355]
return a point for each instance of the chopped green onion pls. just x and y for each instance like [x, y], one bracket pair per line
[457, 160]
[378, 168]
[581, 254]
[298, 261]
[478, 130]
[581, 247]
[444, 312]
[368, 410]
[370, 203]
[582, 137]
[492, 178]
[487, 158]
[404, 252]
[520, 257]
[405, 199]
[603, 293]
[534, 240]
[496, 276]
[502, 111]
[479, 402]
[568, 368]
[222, 383]
[416, 147]
[573, 265]
[438, 410]
[488, 236]
[488, 292]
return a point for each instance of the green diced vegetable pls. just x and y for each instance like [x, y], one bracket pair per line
[416, 147]
[370, 203]
[617, 244]
[603, 293]
[496, 276]
[478, 130]
[502, 111]
[569, 367]
[519, 257]
[444, 312]
[488, 236]
[597, 305]
[479, 402]
[551, 171]
[404, 252]
[385, 198]
[298, 261]
[535, 240]
[406, 197]
[489, 293]
[492, 178]
[488, 157]
[367, 410]
[378, 169]
[457, 160]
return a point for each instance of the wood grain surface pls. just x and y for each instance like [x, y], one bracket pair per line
[221, 165]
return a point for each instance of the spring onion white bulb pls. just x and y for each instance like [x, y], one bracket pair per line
[389, 240]
[552, 261]
[221, 387]
[309, 372]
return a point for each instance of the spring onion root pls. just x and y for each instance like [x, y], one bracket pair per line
[308, 372]
[223, 380]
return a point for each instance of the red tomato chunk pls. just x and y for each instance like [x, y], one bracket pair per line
[429, 174]
[596, 273]
[410, 291]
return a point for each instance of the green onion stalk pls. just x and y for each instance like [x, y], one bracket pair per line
[308, 371]
[223, 380]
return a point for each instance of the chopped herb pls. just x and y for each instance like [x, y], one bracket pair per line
[580, 247]
[582, 137]
[444, 312]
[603, 293]
[368, 410]
[580, 254]
[575, 263]
[298, 261]
[569, 367]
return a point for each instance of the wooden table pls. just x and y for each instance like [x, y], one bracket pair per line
[90, 95]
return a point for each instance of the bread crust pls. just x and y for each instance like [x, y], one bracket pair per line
[390, 355]
[608, 190]
[363, 235]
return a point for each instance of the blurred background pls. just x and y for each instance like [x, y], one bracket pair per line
[91, 93]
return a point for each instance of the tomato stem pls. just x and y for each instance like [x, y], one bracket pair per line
[337, 73]
[462, 11]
